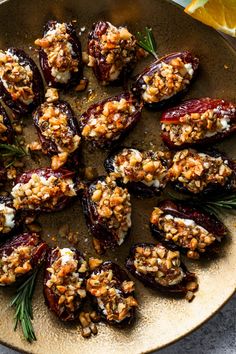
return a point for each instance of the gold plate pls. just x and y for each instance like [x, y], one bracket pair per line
[160, 319]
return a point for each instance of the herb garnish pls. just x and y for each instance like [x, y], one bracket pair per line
[147, 41]
[12, 153]
[23, 307]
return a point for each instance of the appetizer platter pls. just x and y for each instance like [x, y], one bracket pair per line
[118, 175]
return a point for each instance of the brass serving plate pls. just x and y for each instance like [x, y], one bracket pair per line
[161, 319]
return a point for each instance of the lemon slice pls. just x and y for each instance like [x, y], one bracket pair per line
[219, 14]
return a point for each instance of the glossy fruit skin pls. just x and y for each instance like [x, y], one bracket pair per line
[47, 172]
[76, 46]
[101, 68]
[97, 109]
[119, 275]
[26, 239]
[201, 105]
[154, 67]
[138, 188]
[95, 222]
[17, 106]
[202, 218]
[8, 136]
[213, 189]
[149, 280]
[17, 219]
[51, 298]
[48, 145]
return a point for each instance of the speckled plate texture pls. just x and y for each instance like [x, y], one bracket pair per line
[160, 319]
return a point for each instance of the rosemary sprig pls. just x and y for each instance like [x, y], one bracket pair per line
[23, 307]
[147, 41]
[12, 152]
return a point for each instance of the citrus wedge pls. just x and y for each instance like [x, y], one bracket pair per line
[219, 14]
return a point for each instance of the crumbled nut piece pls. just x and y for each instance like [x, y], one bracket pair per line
[11, 172]
[34, 146]
[59, 160]
[94, 263]
[52, 95]
[97, 246]
[82, 85]
[88, 327]
[90, 173]
[196, 170]
[7, 218]
[18, 128]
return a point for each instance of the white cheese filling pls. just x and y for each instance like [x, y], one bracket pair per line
[9, 214]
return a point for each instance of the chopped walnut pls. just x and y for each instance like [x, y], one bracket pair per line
[52, 95]
[7, 218]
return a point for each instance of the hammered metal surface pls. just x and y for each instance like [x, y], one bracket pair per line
[160, 319]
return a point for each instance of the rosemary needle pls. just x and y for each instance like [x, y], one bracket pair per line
[147, 41]
[22, 303]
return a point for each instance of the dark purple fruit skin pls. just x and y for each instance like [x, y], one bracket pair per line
[119, 275]
[101, 68]
[76, 46]
[95, 222]
[17, 106]
[138, 188]
[26, 239]
[17, 218]
[198, 106]
[8, 136]
[133, 119]
[47, 172]
[149, 280]
[187, 211]
[213, 190]
[51, 298]
[49, 146]
[3, 174]
[137, 90]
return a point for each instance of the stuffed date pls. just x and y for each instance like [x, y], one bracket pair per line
[202, 173]
[6, 130]
[43, 190]
[107, 209]
[20, 256]
[112, 52]
[64, 282]
[198, 122]
[58, 132]
[9, 219]
[143, 172]
[21, 85]
[60, 54]
[113, 293]
[165, 79]
[187, 228]
[160, 268]
[108, 121]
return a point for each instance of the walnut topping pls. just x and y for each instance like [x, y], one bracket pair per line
[167, 81]
[118, 48]
[196, 126]
[114, 207]
[3, 129]
[42, 191]
[196, 170]
[159, 262]
[60, 55]
[65, 280]
[54, 125]
[148, 167]
[109, 120]
[16, 77]
[7, 216]
[52, 95]
[15, 264]
[183, 232]
[111, 300]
